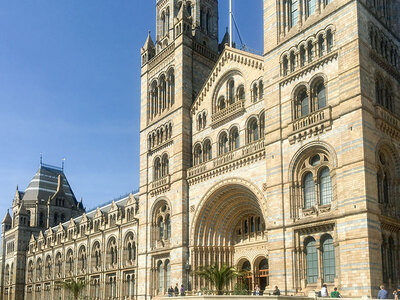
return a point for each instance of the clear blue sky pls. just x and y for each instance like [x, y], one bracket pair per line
[70, 87]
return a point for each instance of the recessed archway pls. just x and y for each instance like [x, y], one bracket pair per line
[229, 215]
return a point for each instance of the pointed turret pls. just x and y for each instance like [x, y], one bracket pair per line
[7, 219]
[148, 51]
[225, 41]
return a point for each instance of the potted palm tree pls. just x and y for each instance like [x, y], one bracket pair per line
[218, 276]
[75, 287]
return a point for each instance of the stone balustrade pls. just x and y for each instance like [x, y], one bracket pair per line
[227, 113]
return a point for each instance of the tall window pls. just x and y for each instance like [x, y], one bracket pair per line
[328, 259]
[321, 45]
[198, 155]
[223, 144]
[234, 139]
[302, 56]
[157, 169]
[329, 40]
[320, 95]
[231, 91]
[207, 150]
[294, 12]
[285, 66]
[241, 93]
[303, 103]
[165, 165]
[325, 186]
[255, 92]
[311, 6]
[292, 62]
[310, 51]
[160, 272]
[309, 190]
[167, 274]
[383, 178]
[252, 131]
[311, 261]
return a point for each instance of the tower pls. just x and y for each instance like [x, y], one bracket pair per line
[330, 117]
[174, 69]
[47, 201]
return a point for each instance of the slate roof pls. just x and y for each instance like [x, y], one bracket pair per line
[44, 185]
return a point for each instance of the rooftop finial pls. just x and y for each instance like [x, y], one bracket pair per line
[63, 161]
[41, 158]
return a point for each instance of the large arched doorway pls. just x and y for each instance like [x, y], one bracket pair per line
[228, 222]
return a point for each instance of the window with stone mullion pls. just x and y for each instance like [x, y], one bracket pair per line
[328, 260]
[311, 262]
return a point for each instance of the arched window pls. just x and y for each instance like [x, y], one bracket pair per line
[157, 169]
[7, 275]
[252, 131]
[262, 125]
[163, 94]
[189, 9]
[30, 271]
[160, 224]
[231, 91]
[167, 274]
[285, 65]
[261, 89]
[302, 56]
[325, 187]
[310, 51]
[234, 139]
[292, 62]
[241, 93]
[207, 150]
[221, 103]
[328, 259]
[302, 103]
[246, 266]
[70, 261]
[321, 45]
[294, 12]
[311, 261]
[58, 264]
[309, 190]
[255, 92]
[383, 178]
[168, 226]
[96, 256]
[130, 248]
[329, 40]
[165, 166]
[311, 6]
[198, 155]
[160, 271]
[320, 96]
[223, 144]
[112, 252]
[171, 87]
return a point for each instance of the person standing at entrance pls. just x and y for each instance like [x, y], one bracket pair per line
[382, 294]
[176, 290]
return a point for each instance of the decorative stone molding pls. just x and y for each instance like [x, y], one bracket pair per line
[160, 57]
[312, 124]
[226, 163]
[227, 114]
[310, 68]
[387, 122]
[160, 186]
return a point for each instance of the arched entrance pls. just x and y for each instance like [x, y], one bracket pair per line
[228, 221]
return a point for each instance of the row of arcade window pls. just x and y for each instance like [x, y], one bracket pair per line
[300, 10]
[327, 259]
[309, 99]
[384, 93]
[307, 53]
[230, 141]
[161, 167]
[129, 255]
[384, 46]
[161, 94]
[235, 94]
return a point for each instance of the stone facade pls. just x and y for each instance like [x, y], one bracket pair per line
[286, 165]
